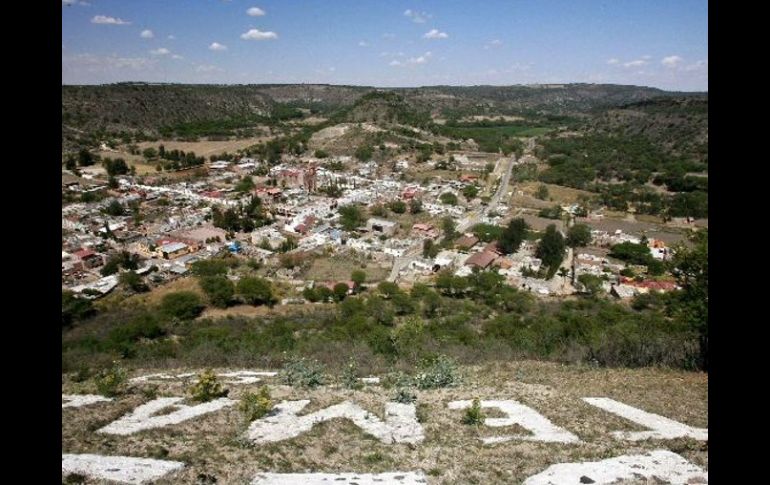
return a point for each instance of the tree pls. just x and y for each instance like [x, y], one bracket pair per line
[71, 164]
[470, 192]
[133, 281]
[579, 235]
[115, 167]
[487, 232]
[112, 183]
[364, 153]
[149, 153]
[358, 277]
[321, 154]
[351, 217]
[246, 184]
[398, 206]
[85, 158]
[448, 198]
[74, 308]
[631, 253]
[184, 305]
[429, 250]
[592, 284]
[551, 249]
[448, 226]
[340, 291]
[255, 291]
[115, 208]
[513, 235]
[415, 206]
[218, 289]
[542, 192]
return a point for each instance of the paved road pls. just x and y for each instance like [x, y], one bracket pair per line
[473, 217]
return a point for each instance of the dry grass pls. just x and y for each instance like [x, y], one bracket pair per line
[451, 453]
[205, 147]
[339, 268]
[557, 194]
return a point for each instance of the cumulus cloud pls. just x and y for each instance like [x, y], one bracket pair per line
[613, 61]
[147, 34]
[216, 46]
[636, 63]
[160, 52]
[255, 34]
[103, 19]
[177, 56]
[255, 12]
[417, 17]
[435, 34]
[697, 66]
[363, 43]
[671, 61]
[412, 60]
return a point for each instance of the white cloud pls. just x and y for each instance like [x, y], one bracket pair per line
[255, 12]
[697, 66]
[160, 52]
[647, 57]
[394, 63]
[171, 37]
[391, 54]
[177, 56]
[363, 43]
[412, 60]
[216, 46]
[493, 43]
[636, 63]
[147, 34]
[671, 61]
[69, 3]
[255, 34]
[208, 68]
[435, 34]
[103, 19]
[417, 17]
[613, 61]
[388, 35]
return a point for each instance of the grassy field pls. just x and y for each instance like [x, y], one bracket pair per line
[451, 452]
[206, 147]
[339, 268]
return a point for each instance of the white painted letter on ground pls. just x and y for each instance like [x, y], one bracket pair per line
[123, 469]
[400, 425]
[662, 428]
[661, 465]
[77, 400]
[393, 478]
[142, 417]
[516, 413]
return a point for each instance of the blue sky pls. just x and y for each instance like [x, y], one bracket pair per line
[660, 43]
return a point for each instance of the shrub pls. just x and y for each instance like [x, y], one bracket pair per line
[303, 373]
[218, 289]
[207, 388]
[473, 415]
[256, 405]
[110, 381]
[405, 395]
[438, 372]
[350, 376]
[184, 305]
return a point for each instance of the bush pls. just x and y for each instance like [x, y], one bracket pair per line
[218, 289]
[303, 373]
[255, 405]
[110, 381]
[184, 305]
[473, 415]
[207, 388]
[438, 372]
[405, 395]
[350, 376]
[255, 291]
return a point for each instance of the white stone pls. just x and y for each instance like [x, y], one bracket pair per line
[658, 464]
[662, 428]
[370, 380]
[391, 478]
[516, 413]
[245, 376]
[122, 469]
[400, 425]
[142, 418]
[77, 400]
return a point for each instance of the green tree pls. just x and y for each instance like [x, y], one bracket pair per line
[551, 249]
[448, 198]
[364, 153]
[542, 192]
[246, 184]
[592, 284]
[184, 305]
[149, 153]
[449, 227]
[115, 208]
[71, 164]
[415, 206]
[133, 281]
[321, 154]
[513, 235]
[340, 291]
[85, 158]
[358, 277]
[579, 235]
[74, 308]
[398, 206]
[351, 217]
[255, 291]
[470, 192]
[218, 289]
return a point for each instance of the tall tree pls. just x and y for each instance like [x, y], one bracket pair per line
[513, 235]
[551, 249]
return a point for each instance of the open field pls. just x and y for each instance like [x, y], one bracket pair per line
[205, 147]
[339, 268]
[213, 444]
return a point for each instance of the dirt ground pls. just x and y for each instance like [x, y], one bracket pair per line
[451, 453]
[205, 147]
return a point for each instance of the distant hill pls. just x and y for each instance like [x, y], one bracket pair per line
[148, 107]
